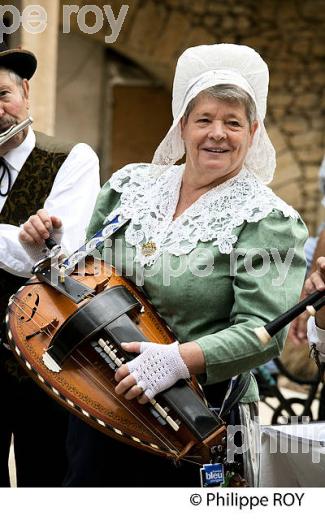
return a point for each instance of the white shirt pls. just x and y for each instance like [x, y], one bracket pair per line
[72, 198]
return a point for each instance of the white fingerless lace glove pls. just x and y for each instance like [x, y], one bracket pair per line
[157, 367]
[316, 336]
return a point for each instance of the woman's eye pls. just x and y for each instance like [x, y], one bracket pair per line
[203, 120]
[233, 123]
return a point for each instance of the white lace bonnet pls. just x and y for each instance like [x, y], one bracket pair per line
[204, 66]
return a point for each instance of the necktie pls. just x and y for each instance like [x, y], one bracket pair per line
[4, 171]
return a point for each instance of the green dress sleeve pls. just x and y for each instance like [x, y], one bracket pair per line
[268, 268]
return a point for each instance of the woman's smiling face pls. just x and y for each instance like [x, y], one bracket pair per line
[217, 136]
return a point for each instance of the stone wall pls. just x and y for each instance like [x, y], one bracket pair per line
[290, 36]
[79, 85]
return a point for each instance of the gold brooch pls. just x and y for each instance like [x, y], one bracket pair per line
[149, 248]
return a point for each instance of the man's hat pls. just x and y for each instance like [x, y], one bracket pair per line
[21, 62]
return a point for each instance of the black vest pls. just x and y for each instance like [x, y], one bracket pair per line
[28, 195]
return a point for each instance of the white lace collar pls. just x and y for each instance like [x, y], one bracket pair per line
[149, 201]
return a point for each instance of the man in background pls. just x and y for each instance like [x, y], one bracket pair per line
[43, 185]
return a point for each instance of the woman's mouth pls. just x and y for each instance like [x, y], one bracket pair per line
[215, 150]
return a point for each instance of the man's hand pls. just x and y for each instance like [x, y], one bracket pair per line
[298, 328]
[316, 282]
[316, 336]
[38, 228]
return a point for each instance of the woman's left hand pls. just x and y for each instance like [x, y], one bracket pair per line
[156, 368]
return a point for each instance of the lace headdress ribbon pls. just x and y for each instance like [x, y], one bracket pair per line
[239, 65]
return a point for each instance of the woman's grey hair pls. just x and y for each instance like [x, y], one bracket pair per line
[14, 77]
[230, 94]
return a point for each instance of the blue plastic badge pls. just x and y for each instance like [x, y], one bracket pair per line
[212, 475]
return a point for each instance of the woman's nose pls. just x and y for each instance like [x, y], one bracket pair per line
[217, 131]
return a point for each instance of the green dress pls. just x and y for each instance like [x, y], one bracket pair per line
[232, 262]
